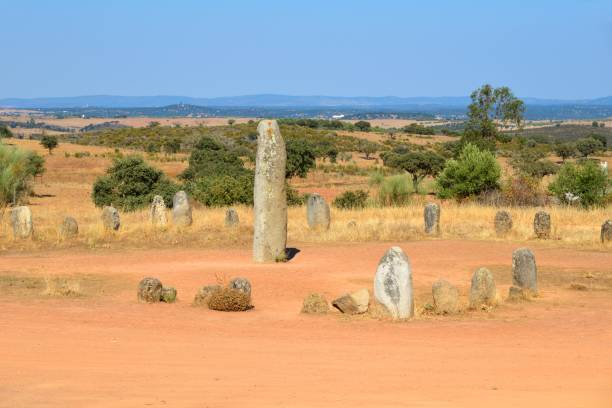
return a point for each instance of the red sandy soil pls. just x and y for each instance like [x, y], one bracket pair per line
[110, 351]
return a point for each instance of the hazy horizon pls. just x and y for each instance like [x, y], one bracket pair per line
[545, 49]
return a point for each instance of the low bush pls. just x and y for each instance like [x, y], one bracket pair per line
[587, 181]
[223, 190]
[17, 169]
[523, 191]
[394, 190]
[351, 199]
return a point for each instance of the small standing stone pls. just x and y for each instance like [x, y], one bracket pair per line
[541, 225]
[158, 212]
[317, 212]
[110, 218]
[270, 195]
[181, 210]
[606, 231]
[353, 303]
[483, 290]
[204, 293]
[393, 284]
[524, 271]
[516, 294]
[315, 303]
[503, 223]
[168, 294]
[21, 220]
[150, 290]
[240, 284]
[445, 297]
[69, 228]
[432, 218]
[231, 217]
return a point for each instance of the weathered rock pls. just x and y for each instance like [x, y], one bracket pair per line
[445, 297]
[541, 225]
[21, 221]
[240, 284]
[503, 223]
[315, 303]
[110, 218]
[204, 293]
[317, 212]
[150, 290]
[69, 228]
[606, 231]
[353, 303]
[393, 284]
[168, 294]
[483, 290]
[270, 197]
[158, 212]
[181, 210]
[231, 217]
[524, 271]
[431, 215]
[229, 300]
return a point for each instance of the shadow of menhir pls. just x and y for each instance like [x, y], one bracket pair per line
[290, 253]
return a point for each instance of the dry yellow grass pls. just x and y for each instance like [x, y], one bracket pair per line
[570, 227]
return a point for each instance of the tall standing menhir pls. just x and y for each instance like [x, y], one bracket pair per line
[270, 198]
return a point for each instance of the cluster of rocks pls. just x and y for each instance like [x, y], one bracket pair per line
[393, 289]
[151, 290]
[234, 297]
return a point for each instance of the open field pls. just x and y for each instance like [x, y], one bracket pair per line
[74, 335]
[104, 348]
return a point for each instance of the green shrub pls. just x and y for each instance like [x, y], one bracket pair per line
[351, 199]
[473, 172]
[294, 198]
[223, 190]
[5, 132]
[395, 190]
[17, 168]
[587, 181]
[300, 158]
[130, 184]
[210, 158]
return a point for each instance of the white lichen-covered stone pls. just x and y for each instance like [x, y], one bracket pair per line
[158, 212]
[393, 284]
[181, 210]
[317, 212]
[21, 221]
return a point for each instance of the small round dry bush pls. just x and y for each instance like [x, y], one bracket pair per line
[229, 300]
[315, 303]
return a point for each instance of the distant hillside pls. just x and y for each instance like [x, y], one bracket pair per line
[269, 100]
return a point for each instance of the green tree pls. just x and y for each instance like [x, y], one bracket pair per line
[363, 125]
[587, 181]
[130, 183]
[565, 150]
[530, 162]
[474, 172]
[300, 158]
[172, 145]
[588, 146]
[211, 158]
[49, 142]
[231, 122]
[367, 148]
[490, 107]
[5, 132]
[418, 164]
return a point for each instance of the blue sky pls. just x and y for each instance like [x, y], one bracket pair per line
[555, 49]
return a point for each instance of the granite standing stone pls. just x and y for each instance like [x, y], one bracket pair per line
[231, 217]
[110, 218]
[445, 297]
[181, 210]
[524, 271]
[21, 221]
[240, 284]
[541, 225]
[431, 215]
[69, 228]
[317, 212]
[606, 231]
[158, 212]
[503, 223]
[393, 284]
[270, 197]
[482, 290]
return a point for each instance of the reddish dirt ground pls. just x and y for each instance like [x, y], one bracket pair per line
[110, 351]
